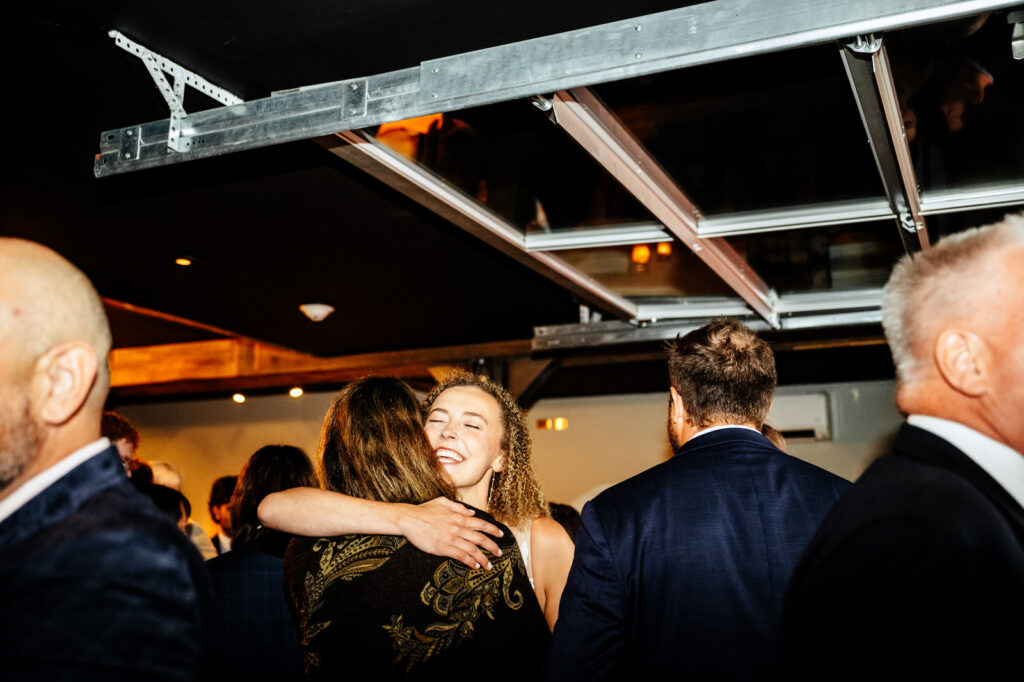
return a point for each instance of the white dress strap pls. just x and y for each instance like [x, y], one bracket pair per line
[523, 533]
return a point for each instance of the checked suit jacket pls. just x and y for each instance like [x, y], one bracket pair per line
[679, 572]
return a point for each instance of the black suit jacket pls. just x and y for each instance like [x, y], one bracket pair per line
[679, 572]
[256, 634]
[917, 573]
[97, 584]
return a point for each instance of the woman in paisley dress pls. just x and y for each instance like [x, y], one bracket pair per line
[479, 435]
[375, 604]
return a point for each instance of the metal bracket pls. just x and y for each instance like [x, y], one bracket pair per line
[158, 66]
[868, 44]
[1017, 39]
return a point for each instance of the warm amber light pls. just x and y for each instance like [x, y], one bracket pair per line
[556, 424]
[183, 261]
[295, 392]
[238, 398]
[561, 423]
[664, 248]
[641, 254]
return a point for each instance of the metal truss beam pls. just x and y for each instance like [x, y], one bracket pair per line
[613, 235]
[595, 128]
[699, 34]
[802, 311]
[971, 198]
[801, 217]
[432, 192]
[867, 67]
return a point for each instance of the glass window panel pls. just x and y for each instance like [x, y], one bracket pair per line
[940, 226]
[755, 133]
[510, 157]
[839, 257]
[961, 93]
[641, 270]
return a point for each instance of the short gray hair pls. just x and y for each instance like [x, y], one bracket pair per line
[925, 282]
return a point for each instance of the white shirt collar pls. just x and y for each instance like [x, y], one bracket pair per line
[720, 427]
[1001, 462]
[44, 479]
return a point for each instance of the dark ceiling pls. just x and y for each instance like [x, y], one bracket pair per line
[273, 228]
[270, 229]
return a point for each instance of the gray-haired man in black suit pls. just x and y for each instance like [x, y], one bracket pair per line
[918, 572]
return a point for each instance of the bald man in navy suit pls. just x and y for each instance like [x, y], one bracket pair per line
[95, 583]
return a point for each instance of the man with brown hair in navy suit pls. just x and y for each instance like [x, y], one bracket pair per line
[918, 572]
[95, 584]
[679, 572]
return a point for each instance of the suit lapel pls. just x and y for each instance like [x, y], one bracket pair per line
[924, 446]
[62, 498]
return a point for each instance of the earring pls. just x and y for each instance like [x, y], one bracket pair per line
[492, 488]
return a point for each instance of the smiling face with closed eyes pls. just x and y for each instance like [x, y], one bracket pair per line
[466, 430]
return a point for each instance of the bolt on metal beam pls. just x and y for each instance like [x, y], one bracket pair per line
[867, 67]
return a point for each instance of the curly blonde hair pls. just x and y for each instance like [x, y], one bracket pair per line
[515, 496]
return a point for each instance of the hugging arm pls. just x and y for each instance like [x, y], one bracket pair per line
[439, 527]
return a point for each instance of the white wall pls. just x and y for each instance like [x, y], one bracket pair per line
[609, 438]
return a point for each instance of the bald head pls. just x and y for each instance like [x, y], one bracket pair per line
[46, 301]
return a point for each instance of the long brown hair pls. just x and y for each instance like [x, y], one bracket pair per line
[515, 497]
[373, 445]
[270, 469]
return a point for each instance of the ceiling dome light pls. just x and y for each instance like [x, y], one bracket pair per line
[184, 262]
[316, 311]
[238, 398]
[295, 392]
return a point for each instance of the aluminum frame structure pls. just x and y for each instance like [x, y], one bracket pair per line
[714, 31]
[334, 114]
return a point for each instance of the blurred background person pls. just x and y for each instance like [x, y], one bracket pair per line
[167, 474]
[255, 631]
[772, 434]
[220, 511]
[567, 516]
[122, 435]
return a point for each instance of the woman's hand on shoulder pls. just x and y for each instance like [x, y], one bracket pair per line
[445, 528]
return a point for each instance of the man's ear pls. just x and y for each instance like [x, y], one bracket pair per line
[64, 377]
[676, 410]
[962, 359]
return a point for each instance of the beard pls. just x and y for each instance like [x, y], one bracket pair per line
[19, 438]
[673, 439]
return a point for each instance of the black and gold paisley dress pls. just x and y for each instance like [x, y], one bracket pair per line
[376, 605]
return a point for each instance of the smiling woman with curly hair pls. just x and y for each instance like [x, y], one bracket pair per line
[479, 436]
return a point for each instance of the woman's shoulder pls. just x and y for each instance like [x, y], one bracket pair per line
[549, 535]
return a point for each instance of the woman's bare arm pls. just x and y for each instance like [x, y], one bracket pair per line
[439, 527]
[551, 550]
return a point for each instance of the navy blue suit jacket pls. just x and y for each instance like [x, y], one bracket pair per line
[680, 571]
[256, 634]
[97, 584]
[916, 574]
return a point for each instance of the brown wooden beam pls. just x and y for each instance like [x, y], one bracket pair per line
[235, 364]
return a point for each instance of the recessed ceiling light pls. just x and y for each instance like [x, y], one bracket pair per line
[316, 311]
[641, 254]
[238, 398]
[295, 392]
[183, 261]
